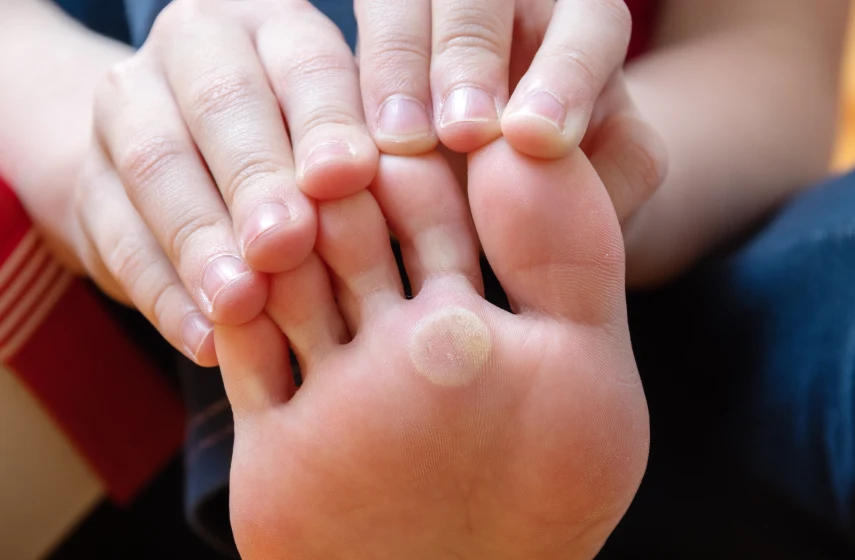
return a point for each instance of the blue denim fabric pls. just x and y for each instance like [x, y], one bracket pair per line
[106, 17]
[749, 368]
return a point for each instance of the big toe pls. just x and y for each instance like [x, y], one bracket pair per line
[550, 233]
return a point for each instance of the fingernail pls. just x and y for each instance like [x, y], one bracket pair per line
[195, 330]
[220, 273]
[262, 220]
[403, 117]
[328, 151]
[545, 106]
[468, 104]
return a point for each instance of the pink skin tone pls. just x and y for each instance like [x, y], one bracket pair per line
[185, 172]
[442, 426]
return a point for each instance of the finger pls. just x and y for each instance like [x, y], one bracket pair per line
[394, 71]
[531, 20]
[427, 212]
[255, 365]
[131, 256]
[626, 152]
[88, 253]
[143, 133]
[302, 304]
[469, 69]
[585, 44]
[318, 90]
[236, 122]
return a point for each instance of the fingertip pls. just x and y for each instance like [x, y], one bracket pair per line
[469, 136]
[197, 338]
[277, 237]
[206, 355]
[540, 124]
[336, 177]
[241, 300]
[469, 119]
[404, 127]
[406, 146]
[535, 137]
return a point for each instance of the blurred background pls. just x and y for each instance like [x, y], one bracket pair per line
[844, 158]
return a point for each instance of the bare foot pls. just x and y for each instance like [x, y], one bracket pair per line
[443, 427]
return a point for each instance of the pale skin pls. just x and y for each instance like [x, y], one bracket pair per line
[190, 187]
[442, 427]
[743, 95]
[568, 294]
[770, 63]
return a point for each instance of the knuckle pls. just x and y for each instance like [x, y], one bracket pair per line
[251, 170]
[121, 75]
[220, 91]
[178, 14]
[117, 87]
[396, 49]
[162, 302]
[475, 32]
[310, 69]
[147, 162]
[190, 225]
[324, 114]
[582, 64]
[127, 261]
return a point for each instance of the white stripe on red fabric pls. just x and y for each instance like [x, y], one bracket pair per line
[21, 283]
[28, 301]
[31, 283]
[40, 312]
[19, 254]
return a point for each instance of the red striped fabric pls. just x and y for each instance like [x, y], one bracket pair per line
[99, 387]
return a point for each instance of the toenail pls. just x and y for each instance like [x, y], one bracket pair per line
[450, 346]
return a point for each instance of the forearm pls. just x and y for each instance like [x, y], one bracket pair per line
[49, 68]
[747, 116]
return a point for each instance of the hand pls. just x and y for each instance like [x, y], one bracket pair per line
[446, 68]
[548, 75]
[190, 190]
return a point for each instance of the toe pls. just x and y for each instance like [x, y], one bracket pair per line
[427, 212]
[303, 306]
[255, 365]
[550, 233]
[353, 241]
